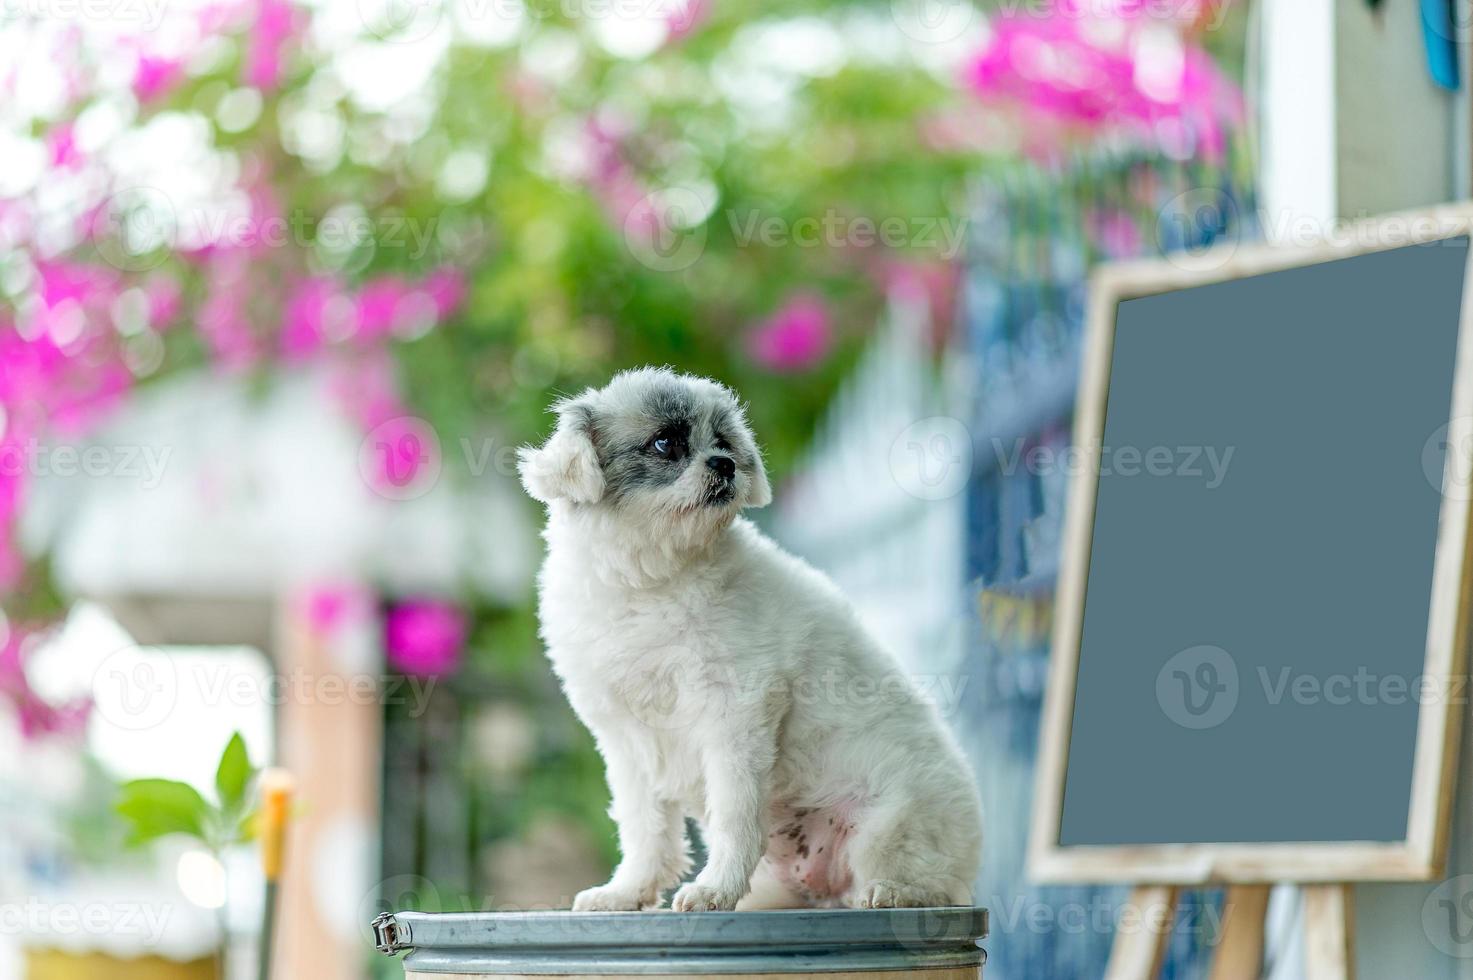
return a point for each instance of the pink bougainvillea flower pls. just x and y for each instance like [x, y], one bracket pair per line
[796, 337]
[626, 200]
[223, 320]
[446, 288]
[274, 26]
[155, 77]
[366, 387]
[164, 296]
[389, 305]
[64, 369]
[58, 375]
[1095, 73]
[37, 718]
[74, 281]
[1052, 66]
[317, 312]
[381, 305]
[61, 142]
[403, 447]
[329, 606]
[425, 637]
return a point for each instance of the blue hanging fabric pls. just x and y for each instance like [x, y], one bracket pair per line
[1439, 33]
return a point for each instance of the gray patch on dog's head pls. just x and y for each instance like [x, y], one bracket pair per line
[667, 397]
[703, 417]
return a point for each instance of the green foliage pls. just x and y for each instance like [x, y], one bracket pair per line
[573, 784]
[557, 297]
[159, 807]
[154, 808]
[504, 643]
[560, 300]
[234, 775]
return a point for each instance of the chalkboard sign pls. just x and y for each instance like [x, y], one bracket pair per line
[1257, 670]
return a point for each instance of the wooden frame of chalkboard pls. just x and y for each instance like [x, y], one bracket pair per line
[1423, 855]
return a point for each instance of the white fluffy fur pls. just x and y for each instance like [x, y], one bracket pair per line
[728, 681]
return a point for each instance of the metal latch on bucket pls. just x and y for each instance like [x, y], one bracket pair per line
[390, 936]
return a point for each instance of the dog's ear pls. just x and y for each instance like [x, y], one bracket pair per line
[760, 494]
[566, 466]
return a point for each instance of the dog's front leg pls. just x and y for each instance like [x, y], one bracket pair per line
[651, 846]
[736, 792]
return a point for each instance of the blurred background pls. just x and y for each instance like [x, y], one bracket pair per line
[283, 286]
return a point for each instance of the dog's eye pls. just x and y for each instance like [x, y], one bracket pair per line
[668, 445]
[721, 442]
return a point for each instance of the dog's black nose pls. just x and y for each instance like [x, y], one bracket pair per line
[723, 466]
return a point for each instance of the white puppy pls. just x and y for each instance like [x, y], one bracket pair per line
[728, 681]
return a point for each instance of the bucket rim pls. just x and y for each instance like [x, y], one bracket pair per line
[918, 929]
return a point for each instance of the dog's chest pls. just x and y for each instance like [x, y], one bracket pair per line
[580, 611]
[648, 670]
[643, 658]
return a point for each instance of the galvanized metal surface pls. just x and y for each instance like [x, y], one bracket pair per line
[792, 941]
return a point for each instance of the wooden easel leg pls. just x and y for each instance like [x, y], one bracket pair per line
[1329, 932]
[1239, 953]
[1145, 931]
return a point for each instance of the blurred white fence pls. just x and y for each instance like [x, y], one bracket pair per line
[855, 507]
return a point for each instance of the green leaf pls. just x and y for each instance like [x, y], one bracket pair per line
[245, 827]
[155, 808]
[234, 775]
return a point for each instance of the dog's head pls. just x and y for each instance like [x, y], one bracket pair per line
[651, 446]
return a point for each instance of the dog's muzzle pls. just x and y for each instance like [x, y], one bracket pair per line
[721, 489]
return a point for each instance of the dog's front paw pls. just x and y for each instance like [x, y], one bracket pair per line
[696, 897]
[607, 898]
[881, 894]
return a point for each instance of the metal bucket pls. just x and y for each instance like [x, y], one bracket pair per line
[879, 944]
